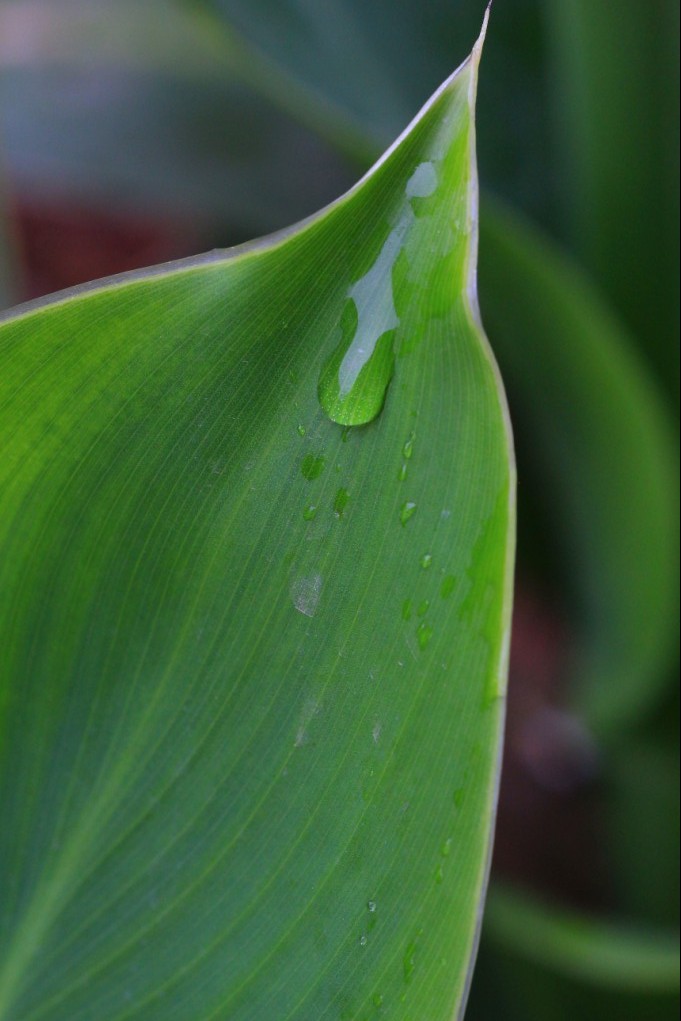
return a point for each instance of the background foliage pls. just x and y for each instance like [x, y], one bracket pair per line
[219, 120]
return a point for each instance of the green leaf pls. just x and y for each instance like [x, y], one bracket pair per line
[615, 73]
[599, 443]
[591, 951]
[254, 661]
[551, 963]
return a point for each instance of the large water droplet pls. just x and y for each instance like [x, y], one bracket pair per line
[354, 380]
[353, 383]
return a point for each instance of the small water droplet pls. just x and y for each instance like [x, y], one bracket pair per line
[407, 512]
[446, 848]
[371, 907]
[301, 430]
[305, 594]
[406, 609]
[459, 795]
[426, 561]
[363, 940]
[345, 434]
[378, 1000]
[424, 633]
[341, 502]
[312, 466]
[448, 586]
[402, 473]
[408, 448]
[409, 962]
[310, 512]
[423, 608]
[439, 875]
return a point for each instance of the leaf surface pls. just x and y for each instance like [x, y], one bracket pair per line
[254, 660]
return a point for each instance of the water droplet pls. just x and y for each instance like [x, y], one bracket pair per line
[439, 875]
[354, 381]
[423, 608]
[312, 466]
[363, 940]
[402, 473]
[345, 434]
[406, 609]
[448, 586]
[371, 907]
[408, 448]
[409, 962]
[378, 1000]
[424, 633]
[459, 795]
[310, 512]
[446, 848]
[341, 502]
[423, 181]
[407, 512]
[301, 430]
[305, 593]
[426, 561]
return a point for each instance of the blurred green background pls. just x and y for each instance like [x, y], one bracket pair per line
[135, 132]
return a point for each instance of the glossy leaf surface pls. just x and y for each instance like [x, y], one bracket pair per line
[253, 660]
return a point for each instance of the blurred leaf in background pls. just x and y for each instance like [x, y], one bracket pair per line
[240, 115]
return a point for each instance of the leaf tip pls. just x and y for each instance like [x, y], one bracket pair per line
[476, 52]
